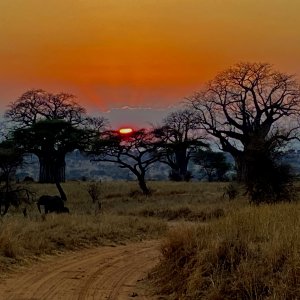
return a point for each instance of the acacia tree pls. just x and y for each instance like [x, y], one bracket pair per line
[250, 109]
[135, 151]
[213, 165]
[50, 125]
[179, 138]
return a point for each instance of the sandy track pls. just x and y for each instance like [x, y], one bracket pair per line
[102, 273]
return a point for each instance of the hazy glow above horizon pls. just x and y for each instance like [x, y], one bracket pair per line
[139, 52]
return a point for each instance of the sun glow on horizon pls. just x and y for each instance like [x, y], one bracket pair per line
[125, 130]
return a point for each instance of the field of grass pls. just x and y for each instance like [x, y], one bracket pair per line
[251, 253]
[126, 215]
[24, 239]
[221, 250]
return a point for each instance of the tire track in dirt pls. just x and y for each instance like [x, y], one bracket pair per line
[103, 273]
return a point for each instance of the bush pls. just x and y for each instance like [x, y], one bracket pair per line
[269, 181]
[231, 191]
[94, 190]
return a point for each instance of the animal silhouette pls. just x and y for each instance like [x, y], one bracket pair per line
[8, 198]
[14, 197]
[53, 203]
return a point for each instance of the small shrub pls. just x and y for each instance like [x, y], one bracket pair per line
[270, 182]
[84, 178]
[94, 190]
[230, 191]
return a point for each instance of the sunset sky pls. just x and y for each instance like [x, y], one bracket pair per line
[138, 53]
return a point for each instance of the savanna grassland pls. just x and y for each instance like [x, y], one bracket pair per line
[222, 249]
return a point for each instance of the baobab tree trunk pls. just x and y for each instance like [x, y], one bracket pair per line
[52, 170]
[256, 149]
[242, 167]
[182, 163]
[244, 163]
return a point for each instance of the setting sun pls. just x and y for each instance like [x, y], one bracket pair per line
[125, 130]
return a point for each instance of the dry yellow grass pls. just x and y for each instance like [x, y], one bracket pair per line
[227, 250]
[252, 253]
[22, 238]
[126, 215]
[122, 196]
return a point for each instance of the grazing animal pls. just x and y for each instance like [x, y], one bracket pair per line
[6, 199]
[51, 204]
[54, 203]
[15, 198]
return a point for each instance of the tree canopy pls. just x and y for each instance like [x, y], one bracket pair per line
[135, 151]
[50, 140]
[51, 125]
[35, 105]
[249, 107]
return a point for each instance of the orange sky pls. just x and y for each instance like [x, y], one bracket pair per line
[112, 53]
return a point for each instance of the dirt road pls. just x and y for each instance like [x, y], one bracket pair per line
[102, 273]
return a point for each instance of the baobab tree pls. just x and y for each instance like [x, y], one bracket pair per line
[250, 109]
[179, 139]
[50, 125]
[50, 141]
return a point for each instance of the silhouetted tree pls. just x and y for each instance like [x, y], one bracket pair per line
[136, 152]
[50, 141]
[179, 138]
[36, 105]
[249, 107]
[213, 164]
[11, 158]
[51, 125]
